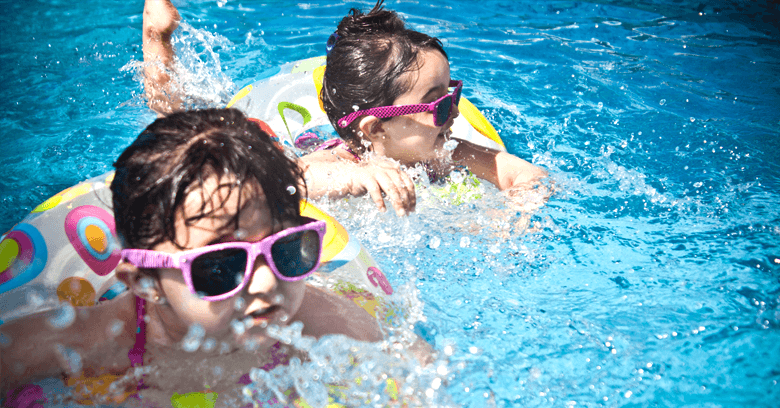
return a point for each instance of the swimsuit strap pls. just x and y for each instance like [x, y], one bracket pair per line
[136, 354]
[334, 143]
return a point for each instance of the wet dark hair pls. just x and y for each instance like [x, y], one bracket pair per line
[177, 154]
[364, 67]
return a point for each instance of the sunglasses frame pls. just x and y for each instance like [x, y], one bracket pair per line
[401, 110]
[147, 258]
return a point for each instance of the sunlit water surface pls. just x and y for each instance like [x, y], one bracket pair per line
[649, 279]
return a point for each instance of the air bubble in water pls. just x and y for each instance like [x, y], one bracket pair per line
[600, 105]
[662, 102]
[291, 190]
[193, 338]
[692, 119]
[63, 317]
[434, 243]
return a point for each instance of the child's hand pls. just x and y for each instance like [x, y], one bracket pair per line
[527, 199]
[380, 177]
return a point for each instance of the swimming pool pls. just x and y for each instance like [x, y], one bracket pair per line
[652, 276]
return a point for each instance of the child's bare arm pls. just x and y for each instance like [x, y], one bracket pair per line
[38, 347]
[160, 19]
[328, 174]
[326, 313]
[503, 169]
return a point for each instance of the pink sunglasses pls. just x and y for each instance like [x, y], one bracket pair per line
[220, 271]
[442, 108]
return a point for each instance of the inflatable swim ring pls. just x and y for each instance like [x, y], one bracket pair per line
[287, 99]
[67, 247]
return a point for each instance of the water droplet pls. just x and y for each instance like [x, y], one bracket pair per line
[355, 108]
[434, 242]
[239, 304]
[600, 105]
[465, 242]
[209, 345]
[662, 102]
[71, 358]
[192, 340]
[692, 119]
[450, 145]
[237, 327]
[63, 317]
[34, 298]
[291, 190]
[115, 327]
[5, 340]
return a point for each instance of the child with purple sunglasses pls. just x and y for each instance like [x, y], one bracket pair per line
[208, 209]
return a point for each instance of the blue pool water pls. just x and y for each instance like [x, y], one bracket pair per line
[652, 276]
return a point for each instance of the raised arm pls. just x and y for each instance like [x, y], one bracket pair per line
[160, 20]
[506, 171]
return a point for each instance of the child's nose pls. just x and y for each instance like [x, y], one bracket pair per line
[263, 279]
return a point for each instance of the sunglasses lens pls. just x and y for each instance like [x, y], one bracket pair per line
[296, 254]
[219, 272]
[443, 110]
[456, 95]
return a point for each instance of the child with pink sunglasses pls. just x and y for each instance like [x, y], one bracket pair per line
[388, 93]
[209, 211]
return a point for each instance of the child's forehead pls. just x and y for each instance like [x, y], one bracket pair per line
[433, 74]
[222, 198]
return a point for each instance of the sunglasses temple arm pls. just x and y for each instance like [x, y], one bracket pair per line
[148, 259]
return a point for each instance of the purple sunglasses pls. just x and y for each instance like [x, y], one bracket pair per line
[220, 271]
[442, 108]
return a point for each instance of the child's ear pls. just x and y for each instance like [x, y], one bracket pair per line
[371, 128]
[140, 283]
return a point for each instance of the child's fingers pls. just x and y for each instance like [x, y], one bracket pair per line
[411, 192]
[389, 182]
[376, 194]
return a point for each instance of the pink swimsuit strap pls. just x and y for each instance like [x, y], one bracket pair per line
[334, 143]
[136, 354]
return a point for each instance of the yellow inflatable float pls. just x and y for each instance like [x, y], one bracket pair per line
[66, 250]
[286, 98]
